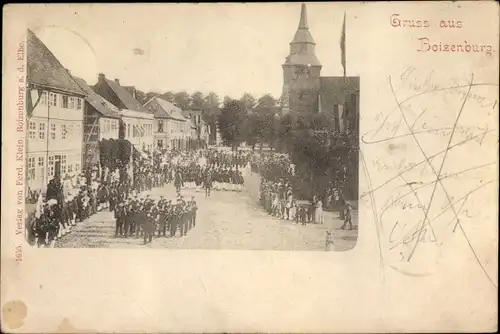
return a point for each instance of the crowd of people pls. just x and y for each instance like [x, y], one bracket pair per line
[279, 198]
[122, 191]
[211, 169]
[68, 201]
[141, 216]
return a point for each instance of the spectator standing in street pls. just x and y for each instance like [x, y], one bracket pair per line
[348, 214]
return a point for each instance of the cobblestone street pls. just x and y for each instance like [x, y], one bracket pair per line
[226, 220]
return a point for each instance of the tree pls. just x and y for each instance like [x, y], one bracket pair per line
[231, 122]
[252, 129]
[140, 96]
[266, 102]
[150, 95]
[227, 99]
[168, 96]
[248, 102]
[182, 100]
[197, 101]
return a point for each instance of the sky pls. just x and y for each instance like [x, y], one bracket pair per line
[226, 48]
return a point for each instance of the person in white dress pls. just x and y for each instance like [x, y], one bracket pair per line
[319, 211]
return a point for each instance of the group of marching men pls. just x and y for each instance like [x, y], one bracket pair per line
[211, 169]
[218, 178]
[224, 159]
[143, 216]
[59, 213]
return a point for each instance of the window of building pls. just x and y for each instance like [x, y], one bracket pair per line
[53, 99]
[64, 131]
[52, 131]
[72, 103]
[31, 168]
[41, 130]
[51, 166]
[78, 104]
[160, 144]
[41, 166]
[128, 130]
[64, 101]
[43, 98]
[70, 168]
[32, 130]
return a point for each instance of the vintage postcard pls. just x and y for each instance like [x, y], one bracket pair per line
[250, 167]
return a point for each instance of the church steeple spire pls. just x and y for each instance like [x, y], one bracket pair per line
[303, 17]
[302, 46]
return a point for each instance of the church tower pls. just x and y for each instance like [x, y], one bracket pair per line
[301, 71]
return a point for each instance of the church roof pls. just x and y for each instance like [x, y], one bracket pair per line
[336, 90]
[45, 70]
[103, 106]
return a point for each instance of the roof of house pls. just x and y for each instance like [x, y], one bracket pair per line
[166, 109]
[102, 105]
[337, 90]
[125, 97]
[45, 70]
[130, 89]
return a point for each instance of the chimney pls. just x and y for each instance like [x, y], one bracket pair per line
[102, 77]
[68, 71]
[117, 81]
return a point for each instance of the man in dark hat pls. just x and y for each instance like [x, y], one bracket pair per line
[129, 216]
[347, 215]
[120, 219]
[162, 216]
[176, 218]
[150, 221]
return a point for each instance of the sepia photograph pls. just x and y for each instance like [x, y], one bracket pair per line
[149, 157]
[327, 167]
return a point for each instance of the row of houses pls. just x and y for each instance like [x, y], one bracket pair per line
[67, 118]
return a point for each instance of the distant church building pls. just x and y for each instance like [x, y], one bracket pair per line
[305, 90]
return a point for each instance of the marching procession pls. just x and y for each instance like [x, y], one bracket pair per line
[136, 214]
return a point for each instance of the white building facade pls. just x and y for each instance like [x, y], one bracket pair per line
[138, 129]
[54, 134]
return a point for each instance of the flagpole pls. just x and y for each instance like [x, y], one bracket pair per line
[342, 48]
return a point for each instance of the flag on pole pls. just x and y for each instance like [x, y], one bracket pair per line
[342, 47]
